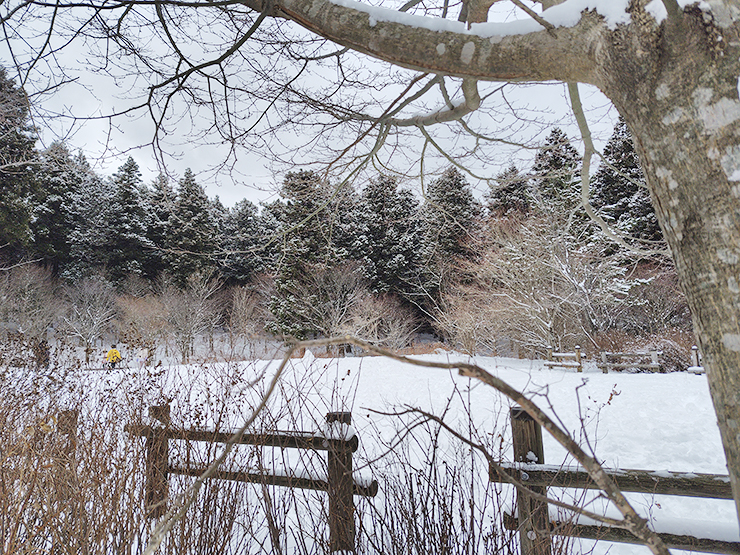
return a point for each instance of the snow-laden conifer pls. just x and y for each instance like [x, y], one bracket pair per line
[126, 245]
[619, 189]
[193, 231]
[388, 241]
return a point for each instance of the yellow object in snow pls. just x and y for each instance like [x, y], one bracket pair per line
[113, 356]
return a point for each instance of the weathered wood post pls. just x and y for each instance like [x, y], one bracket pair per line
[534, 522]
[578, 358]
[339, 477]
[157, 461]
[695, 356]
[655, 363]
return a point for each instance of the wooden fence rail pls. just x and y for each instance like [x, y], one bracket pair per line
[533, 522]
[339, 484]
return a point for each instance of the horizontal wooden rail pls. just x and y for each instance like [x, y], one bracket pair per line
[713, 486]
[272, 480]
[305, 440]
[339, 484]
[607, 533]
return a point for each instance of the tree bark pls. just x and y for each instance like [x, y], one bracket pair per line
[684, 111]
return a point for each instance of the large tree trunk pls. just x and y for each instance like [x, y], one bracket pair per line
[680, 98]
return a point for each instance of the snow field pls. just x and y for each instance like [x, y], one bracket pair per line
[640, 421]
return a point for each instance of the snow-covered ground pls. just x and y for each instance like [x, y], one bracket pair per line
[637, 421]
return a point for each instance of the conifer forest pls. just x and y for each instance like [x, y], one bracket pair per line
[519, 269]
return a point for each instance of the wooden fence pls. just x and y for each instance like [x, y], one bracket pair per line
[533, 521]
[339, 484]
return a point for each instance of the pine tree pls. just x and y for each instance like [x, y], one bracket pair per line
[126, 245]
[619, 191]
[161, 207]
[556, 174]
[510, 196]
[91, 198]
[319, 215]
[388, 241]
[194, 232]
[243, 243]
[17, 155]
[58, 178]
[450, 216]
[317, 232]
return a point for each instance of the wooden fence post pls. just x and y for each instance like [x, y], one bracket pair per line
[157, 462]
[578, 358]
[534, 522]
[341, 502]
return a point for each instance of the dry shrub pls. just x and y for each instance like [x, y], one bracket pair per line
[424, 348]
[382, 320]
[656, 304]
[70, 485]
[614, 341]
[675, 345]
[141, 321]
[676, 350]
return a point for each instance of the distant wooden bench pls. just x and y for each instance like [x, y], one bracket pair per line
[564, 360]
[621, 361]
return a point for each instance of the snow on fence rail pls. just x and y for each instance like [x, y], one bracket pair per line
[621, 361]
[535, 525]
[338, 440]
[564, 360]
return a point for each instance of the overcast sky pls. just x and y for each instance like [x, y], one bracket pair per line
[252, 176]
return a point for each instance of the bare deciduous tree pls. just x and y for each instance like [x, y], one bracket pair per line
[91, 309]
[29, 300]
[382, 320]
[534, 283]
[141, 321]
[191, 311]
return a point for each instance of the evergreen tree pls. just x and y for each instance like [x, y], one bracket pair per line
[450, 216]
[619, 191]
[161, 207]
[243, 243]
[510, 196]
[17, 155]
[194, 232]
[388, 241]
[126, 245]
[91, 199]
[319, 215]
[219, 215]
[58, 178]
[556, 174]
[317, 224]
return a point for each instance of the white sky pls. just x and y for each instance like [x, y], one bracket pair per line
[253, 176]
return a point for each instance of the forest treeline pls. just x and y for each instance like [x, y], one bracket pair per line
[524, 266]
